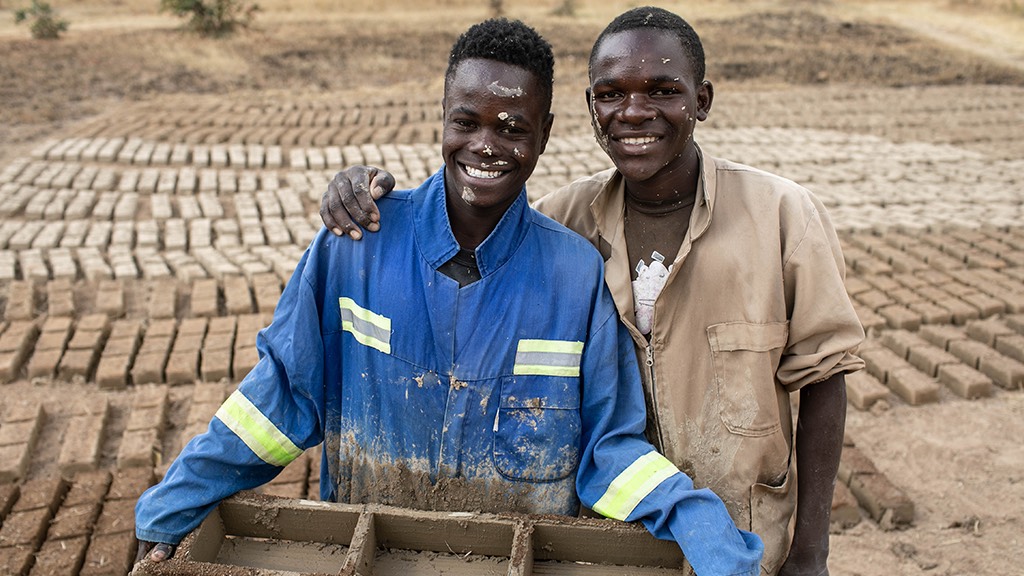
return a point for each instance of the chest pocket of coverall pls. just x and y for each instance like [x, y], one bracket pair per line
[537, 431]
[746, 356]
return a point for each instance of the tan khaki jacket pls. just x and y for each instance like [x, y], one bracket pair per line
[755, 308]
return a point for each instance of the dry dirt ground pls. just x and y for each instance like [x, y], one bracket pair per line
[152, 176]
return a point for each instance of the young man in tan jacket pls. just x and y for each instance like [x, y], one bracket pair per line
[729, 279]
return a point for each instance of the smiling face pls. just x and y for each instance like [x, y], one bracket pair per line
[644, 103]
[496, 126]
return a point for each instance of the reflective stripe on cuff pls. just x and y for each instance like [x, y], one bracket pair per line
[261, 436]
[634, 484]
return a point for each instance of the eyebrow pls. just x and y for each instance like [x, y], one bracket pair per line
[662, 79]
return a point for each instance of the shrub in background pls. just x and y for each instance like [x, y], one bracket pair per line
[212, 17]
[45, 23]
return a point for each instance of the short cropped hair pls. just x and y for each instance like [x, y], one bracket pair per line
[659, 19]
[509, 42]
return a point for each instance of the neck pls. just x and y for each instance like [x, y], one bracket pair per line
[676, 182]
[472, 225]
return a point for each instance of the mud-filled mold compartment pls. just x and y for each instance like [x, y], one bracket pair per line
[256, 535]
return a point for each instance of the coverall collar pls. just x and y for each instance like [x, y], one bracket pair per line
[437, 241]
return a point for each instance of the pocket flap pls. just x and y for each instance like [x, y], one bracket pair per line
[748, 336]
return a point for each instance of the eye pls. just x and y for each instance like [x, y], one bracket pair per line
[607, 95]
[463, 123]
[665, 91]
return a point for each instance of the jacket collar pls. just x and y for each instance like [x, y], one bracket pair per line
[434, 230]
[608, 209]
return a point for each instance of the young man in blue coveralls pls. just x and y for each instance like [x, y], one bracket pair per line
[452, 352]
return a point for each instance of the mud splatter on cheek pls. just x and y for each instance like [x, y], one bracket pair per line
[517, 153]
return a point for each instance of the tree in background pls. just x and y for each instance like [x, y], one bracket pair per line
[45, 23]
[212, 17]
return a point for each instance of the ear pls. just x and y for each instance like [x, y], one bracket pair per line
[705, 96]
[546, 132]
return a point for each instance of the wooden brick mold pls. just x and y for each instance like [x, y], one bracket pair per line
[255, 534]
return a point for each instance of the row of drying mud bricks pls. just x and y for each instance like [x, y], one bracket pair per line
[860, 482]
[22, 302]
[86, 526]
[966, 360]
[114, 353]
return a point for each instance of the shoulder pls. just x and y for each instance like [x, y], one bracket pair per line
[734, 177]
[561, 243]
[574, 199]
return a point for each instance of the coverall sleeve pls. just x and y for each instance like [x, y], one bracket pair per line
[273, 416]
[622, 476]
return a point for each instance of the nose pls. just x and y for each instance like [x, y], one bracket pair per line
[483, 144]
[636, 108]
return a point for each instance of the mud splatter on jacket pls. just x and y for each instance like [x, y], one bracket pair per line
[510, 394]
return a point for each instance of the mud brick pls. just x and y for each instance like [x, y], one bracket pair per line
[94, 323]
[19, 336]
[150, 396]
[43, 363]
[190, 333]
[19, 411]
[285, 490]
[10, 365]
[54, 324]
[121, 346]
[1011, 346]
[886, 503]
[1012, 301]
[77, 363]
[21, 301]
[20, 432]
[14, 461]
[138, 448]
[962, 312]
[845, 512]
[109, 555]
[129, 484]
[900, 341]
[965, 381]
[1006, 372]
[86, 340]
[88, 487]
[988, 331]
[874, 299]
[913, 386]
[216, 364]
[863, 390]
[61, 557]
[112, 372]
[165, 328]
[81, 450]
[110, 298]
[986, 305]
[147, 418]
[8, 496]
[182, 367]
[221, 340]
[27, 527]
[881, 362]
[931, 313]
[898, 316]
[116, 516]
[1015, 321]
[244, 360]
[16, 560]
[853, 463]
[149, 368]
[928, 358]
[941, 336]
[237, 296]
[72, 521]
[970, 351]
[52, 339]
[209, 394]
[155, 344]
[163, 304]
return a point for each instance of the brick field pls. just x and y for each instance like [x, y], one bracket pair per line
[142, 250]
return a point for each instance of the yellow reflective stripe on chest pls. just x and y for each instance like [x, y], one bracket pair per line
[257, 432]
[548, 358]
[368, 328]
[634, 484]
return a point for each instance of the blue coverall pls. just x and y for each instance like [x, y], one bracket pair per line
[520, 388]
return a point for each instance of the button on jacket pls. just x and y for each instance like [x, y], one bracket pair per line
[755, 308]
[512, 393]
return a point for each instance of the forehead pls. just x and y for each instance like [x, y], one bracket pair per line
[651, 50]
[480, 82]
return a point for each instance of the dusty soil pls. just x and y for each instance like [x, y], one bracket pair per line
[959, 461]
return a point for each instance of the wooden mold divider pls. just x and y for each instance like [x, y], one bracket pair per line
[251, 534]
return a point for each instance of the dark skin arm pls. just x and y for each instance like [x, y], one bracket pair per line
[819, 443]
[348, 203]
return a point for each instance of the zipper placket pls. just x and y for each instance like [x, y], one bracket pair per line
[654, 395]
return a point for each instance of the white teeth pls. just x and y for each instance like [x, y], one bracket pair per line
[486, 174]
[639, 141]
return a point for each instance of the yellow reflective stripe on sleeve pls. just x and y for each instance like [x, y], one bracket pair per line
[548, 358]
[261, 436]
[368, 328]
[634, 484]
